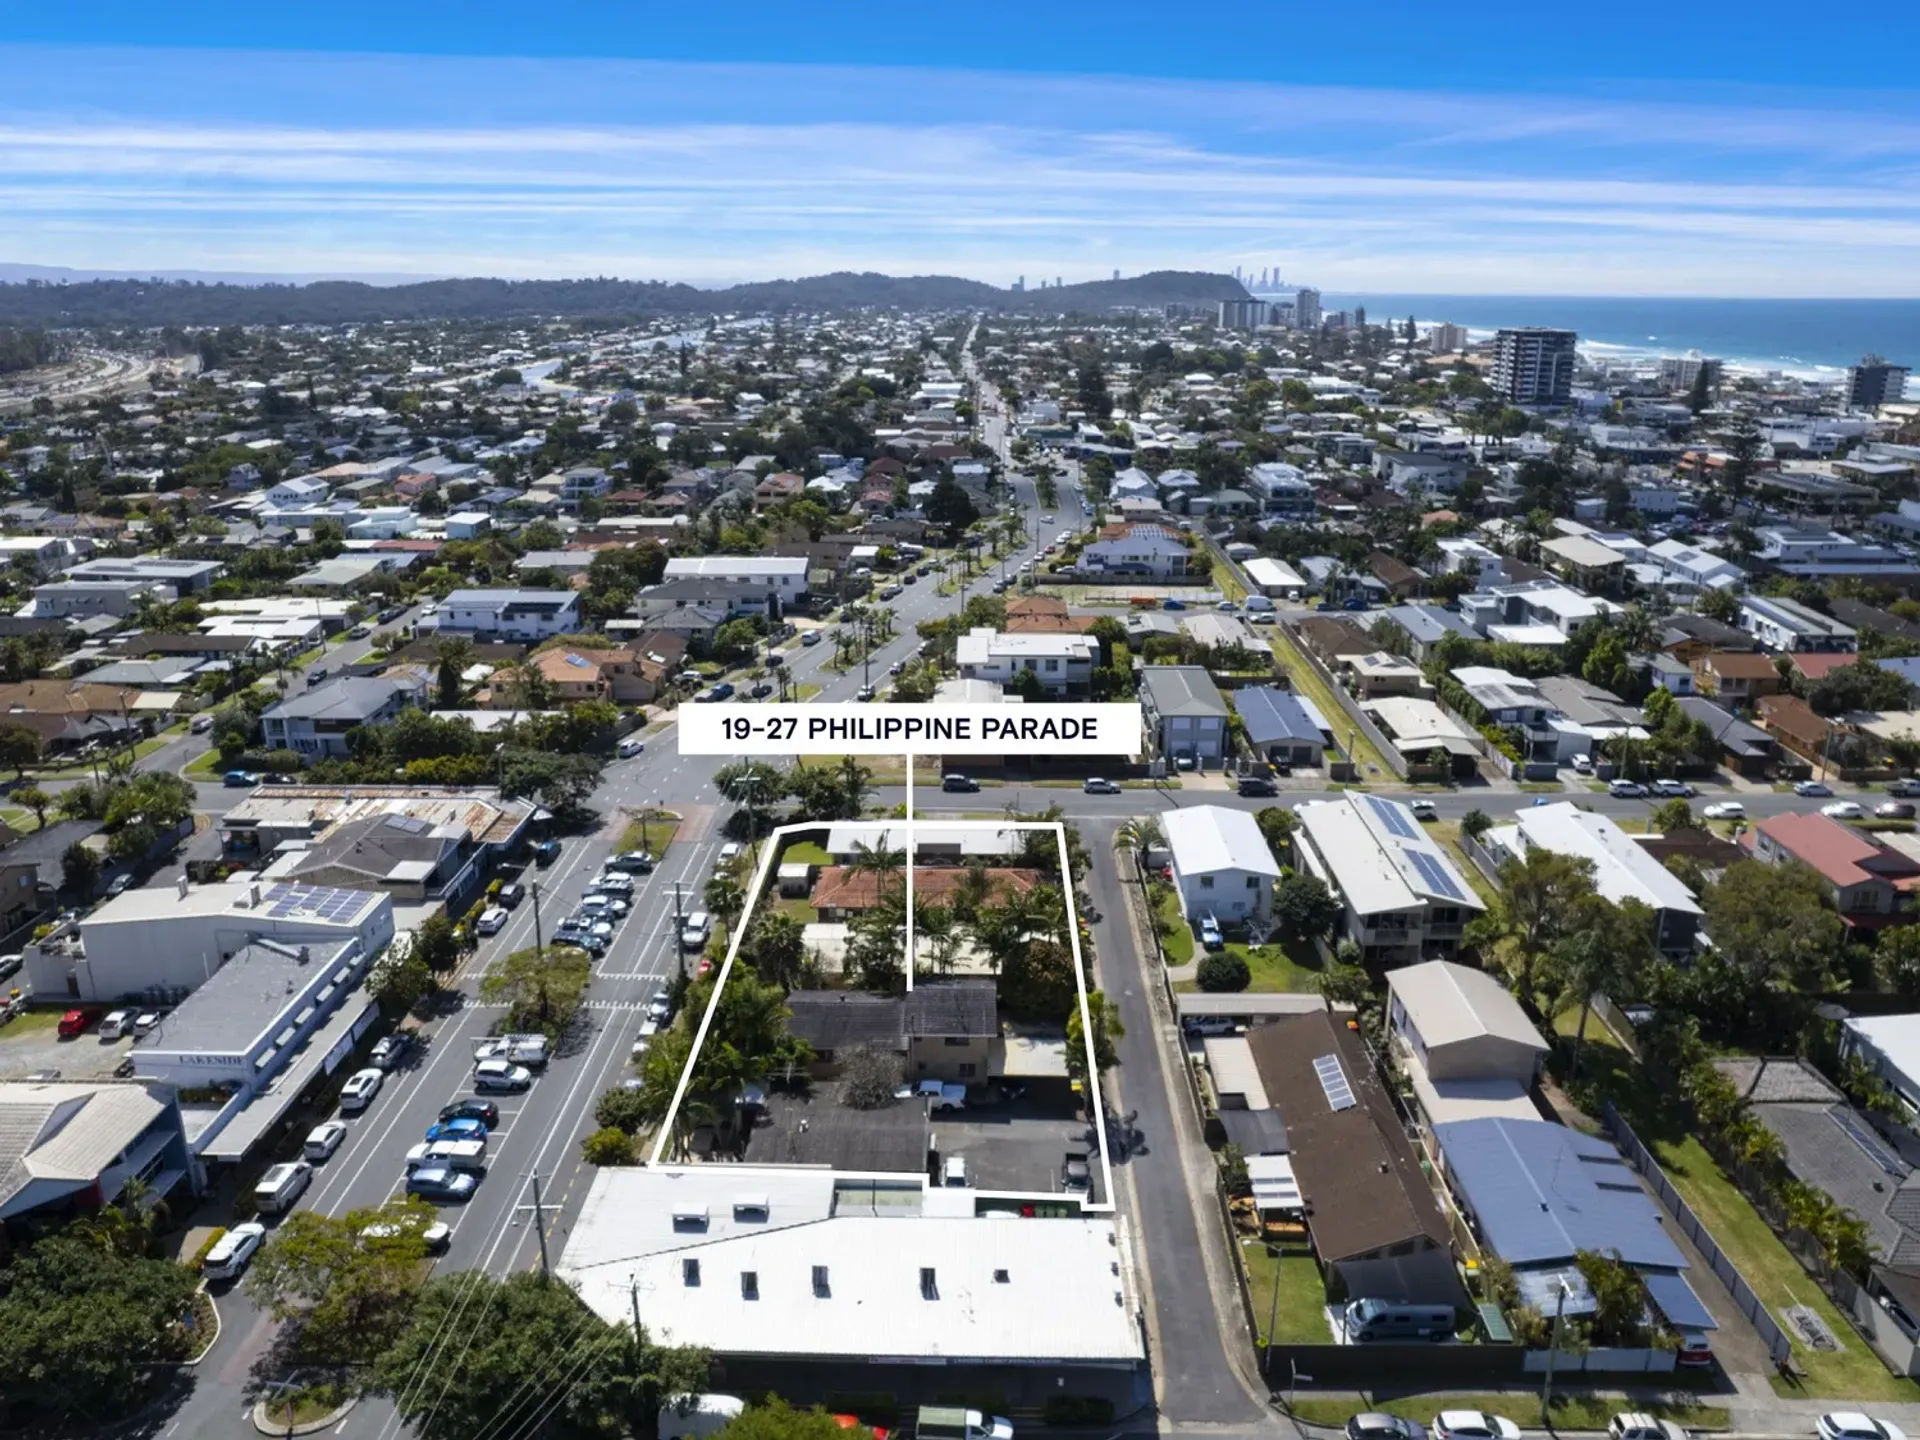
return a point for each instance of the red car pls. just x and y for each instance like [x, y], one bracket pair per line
[79, 1020]
[852, 1422]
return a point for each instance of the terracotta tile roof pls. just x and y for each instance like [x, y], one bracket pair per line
[1739, 664]
[841, 888]
[1792, 718]
[1819, 666]
[1839, 852]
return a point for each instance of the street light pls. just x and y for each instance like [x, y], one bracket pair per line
[1553, 1347]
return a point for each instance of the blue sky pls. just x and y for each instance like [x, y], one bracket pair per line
[1632, 150]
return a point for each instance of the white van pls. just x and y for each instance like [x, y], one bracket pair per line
[456, 1154]
[1369, 1320]
[693, 1417]
[944, 1422]
[281, 1186]
[232, 1251]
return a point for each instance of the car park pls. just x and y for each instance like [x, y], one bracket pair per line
[231, 1252]
[501, 1075]
[359, 1090]
[441, 1183]
[485, 1111]
[117, 1023]
[1842, 810]
[324, 1139]
[281, 1186]
[1814, 789]
[492, 920]
[630, 748]
[1725, 810]
[1097, 786]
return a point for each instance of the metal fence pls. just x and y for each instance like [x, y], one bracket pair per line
[1744, 1298]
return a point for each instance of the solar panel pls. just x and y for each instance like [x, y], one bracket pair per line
[1435, 874]
[1333, 1081]
[1876, 1148]
[1393, 818]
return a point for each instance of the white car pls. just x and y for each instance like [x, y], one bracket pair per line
[1842, 810]
[1472, 1425]
[492, 920]
[729, 851]
[1854, 1425]
[630, 748]
[501, 1075]
[147, 1022]
[360, 1089]
[324, 1139]
[116, 1024]
[233, 1250]
[1725, 810]
[1632, 1425]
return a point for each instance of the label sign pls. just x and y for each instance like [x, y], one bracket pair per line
[730, 728]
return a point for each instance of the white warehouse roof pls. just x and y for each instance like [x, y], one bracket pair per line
[1208, 838]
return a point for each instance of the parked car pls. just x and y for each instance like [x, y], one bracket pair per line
[510, 896]
[324, 1139]
[1582, 765]
[485, 1111]
[613, 883]
[1257, 785]
[359, 632]
[1472, 1425]
[545, 852]
[231, 1252]
[1633, 1425]
[812, 637]
[501, 1075]
[281, 1186]
[1856, 1425]
[117, 1023]
[360, 1089]
[1908, 787]
[696, 931]
[528, 1050]
[461, 1127]
[1812, 789]
[631, 747]
[1725, 810]
[1377, 1425]
[1621, 790]
[1695, 1349]
[146, 1022]
[1844, 810]
[492, 920]
[201, 724]
[1210, 935]
[1424, 810]
[79, 1020]
[1673, 789]
[390, 1050]
[637, 862]
[442, 1183]
[236, 779]
[939, 1094]
[660, 1007]
[1894, 810]
[1097, 786]
[865, 692]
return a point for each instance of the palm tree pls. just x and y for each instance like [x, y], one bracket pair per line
[935, 925]
[880, 860]
[454, 654]
[724, 897]
[1141, 835]
[973, 891]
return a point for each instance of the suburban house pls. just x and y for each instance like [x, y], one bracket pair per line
[1871, 885]
[1367, 1204]
[1745, 749]
[73, 1147]
[784, 575]
[1466, 1045]
[317, 722]
[1399, 893]
[512, 614]
[1222, 865]
[1183, 713]
[1062, 663]
[1622, 868]
[1278, 726]
[1144, 552]
[841, 892]
[1782, 624]
[1736, 677]
[624, 677]
[940, 1030]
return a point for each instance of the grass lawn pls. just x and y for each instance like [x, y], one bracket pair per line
[1229, 586]
[22, 821]
[1447, 832]
[1176, 935]
[32, 1023]
[313, 1403]
[1270, 969]
[204, 767]
[805, 852]
[1308, 684]
[1300, 1318]
[660, 828]
[1570, 1411]
[1852, 1373]
[801, 910]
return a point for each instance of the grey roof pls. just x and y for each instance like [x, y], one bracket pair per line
[70, 1132]
[1428, 623]
[1541, 1193]
[1729, 729]
[384, 847]
[891, 1138]
[832, 1020]
[493, 599]
[346, 698]
[1181, 690]
[142, 673]
[1256, 1132]
[956, 1007]
[244, 998]
[1270, 713]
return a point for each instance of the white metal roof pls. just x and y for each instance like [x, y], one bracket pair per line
[1622, 868]
[1206, 839]
[1369, 846]
[1449, 1002]
[1274, 1184]
[1230, 1059]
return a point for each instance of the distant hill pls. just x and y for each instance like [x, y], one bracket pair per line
[141, 303]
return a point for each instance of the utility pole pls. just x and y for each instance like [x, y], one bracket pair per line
[679, 925]
[533, 889]
[1553, 1346]
[633, 1289]
[539, 1224]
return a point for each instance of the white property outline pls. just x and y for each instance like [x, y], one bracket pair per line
[772, 847]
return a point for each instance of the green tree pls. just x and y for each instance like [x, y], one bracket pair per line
[1771, 924]
[949, 508]
[19, 747]
[1700, 395]
[1224, 971]
[79, 870]
[435, 945]
[623, 1110]
[1607, 949]
[540, 988]
[1672, 815]
[1108, 1032]
[775, 946]
[1537, 900]
[399, 979]
[345, 1282]
[607, 1146]
[36, 800]
[531, 1355]
[1303, 907]
[453, 654]
[1278, 824]
[776, 1420]
[1896, 959]
[84, 1323]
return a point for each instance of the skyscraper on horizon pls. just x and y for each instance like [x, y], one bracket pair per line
[1534, 366]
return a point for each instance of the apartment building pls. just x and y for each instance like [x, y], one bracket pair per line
[1183, 713]
[785, 575]
[512, 614]
[1063, 664]
[1146, 551]
[1534, 366]
[1782, 624]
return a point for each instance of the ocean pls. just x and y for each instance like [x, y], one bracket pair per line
[1815, 338]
